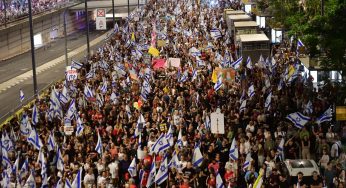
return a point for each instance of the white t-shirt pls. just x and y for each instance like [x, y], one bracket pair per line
[113, 167]
[89, 179]
[334, 151]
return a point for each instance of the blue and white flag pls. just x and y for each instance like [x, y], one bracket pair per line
[76, 65]
[64, 96]
[77, 182]
[60, 161]
[251, 91]
[99, 100]
[133, 168]
[280, 148]
[180, 139]
[215, 33]
[116, 28]
[140, 124]
[242, 106]
[128, 111]
[174, 163]
[299, 45]
[219, 182]
[162, 174]
[298, 119]
[237, 63]
[197, 157]
[152, 174]
[268, 101]
[5, 141]
[233, 151]
[67, 183]
[51, 142]
[246, 164]
[183, 77]
[35, 114]
[169, 136]
[160, 145]
[194, 74]
[15, 167]
[21, 95]
[325, 117]
[248, 63]
[6, 162]
[218, 83]
[104, 87]
[72, 110]
[99, 144]
[80, 126]
[24, 169]
[30, 182]
[308, 108]
[87, 92]
[35, 140]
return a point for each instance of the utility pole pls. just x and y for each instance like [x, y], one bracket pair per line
[5, 7]
[87, 26]
[32, 50]
[113, 13]
[128, 7]
[65, 35]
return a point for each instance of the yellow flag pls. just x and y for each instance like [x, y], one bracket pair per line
[259, 181]
[133, 36]
[153, 51]
[214, 76]
[291, 70]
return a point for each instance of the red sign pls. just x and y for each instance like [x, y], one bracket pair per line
[101, 12]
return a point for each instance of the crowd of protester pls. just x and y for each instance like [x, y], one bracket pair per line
[15, 9]
[121, 101]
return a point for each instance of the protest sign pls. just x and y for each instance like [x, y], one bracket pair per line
[217, 122]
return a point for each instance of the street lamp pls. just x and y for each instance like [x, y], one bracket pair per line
[32, 50]
[113, 13]
[87, 26]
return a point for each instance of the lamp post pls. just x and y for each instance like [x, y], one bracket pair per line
[65, 35]
[113, 13]
[87, 26]
[32, 50]
[128, 8]
[5, 7]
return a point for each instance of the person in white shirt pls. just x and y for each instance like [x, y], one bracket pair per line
[89, 178]
[334, 151]
[102, 179]
[113, 169]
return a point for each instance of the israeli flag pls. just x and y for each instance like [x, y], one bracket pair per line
[233, 151]
[246, 164]
[67, 183]
[5, 141]
[128, 111]
[133, 168]
[15, 167]
[183, 77]
[162, 174]
[325, 117]
[169, 136]
[77, 182]
[308, 108]
[174, 163]
[298, 119]
[99, 100]
[152, 173]
[237, 63]
[51, 142]
[180, 139]
[6, 162]
[215, 33]
[197, 157]
[116, 28]
[248, 63]
[87, 92]
[35, 115]
[280, 148]
[104, 87]
[99, 144]
[140, 124]
[76, 65]
[60, 161]
[35, 140]
[160, 145]
[300, 44]
[251, 91]
[24, 169]
[30, 182]
[72, 110]
[64, 96]
[80, 127]
[242, 106]
[218, 83]
[219, 182]
[268, 101]
[21, 95]
[194, 75]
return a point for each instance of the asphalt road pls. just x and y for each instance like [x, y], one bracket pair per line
[9, 100]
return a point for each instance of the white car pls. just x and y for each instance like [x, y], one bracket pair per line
[291, 168]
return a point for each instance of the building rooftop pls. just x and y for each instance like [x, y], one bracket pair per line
[253, 37]
[245, 24]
